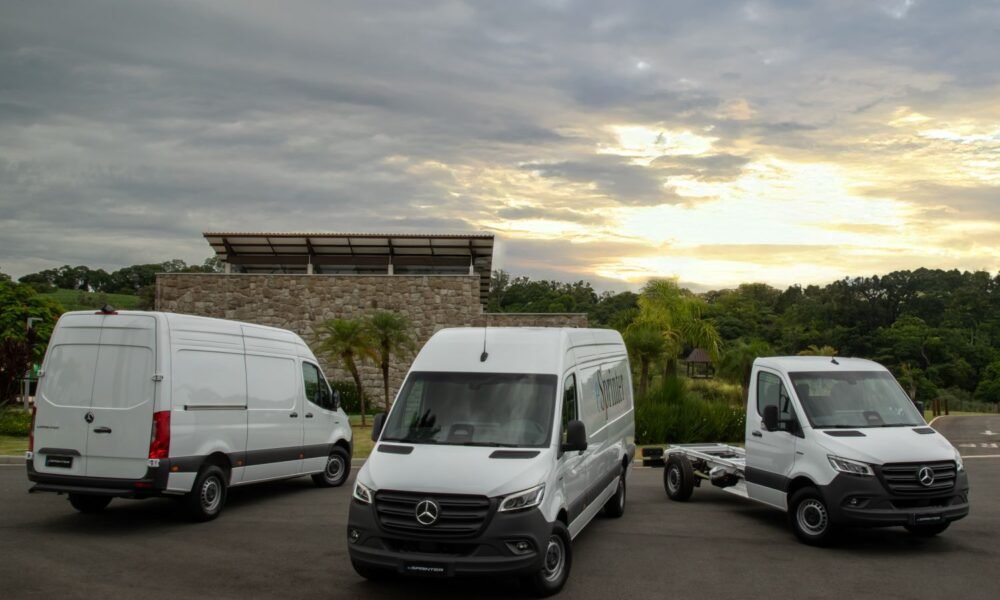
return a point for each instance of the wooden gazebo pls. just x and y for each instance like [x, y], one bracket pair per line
[699, 364]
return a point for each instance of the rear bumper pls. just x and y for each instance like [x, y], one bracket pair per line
[864, 501]
[152, 484]
[483, 554]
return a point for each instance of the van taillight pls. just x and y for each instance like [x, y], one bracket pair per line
[159, 442]
[31, 433]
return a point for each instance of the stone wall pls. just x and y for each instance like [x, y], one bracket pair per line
[301, 302]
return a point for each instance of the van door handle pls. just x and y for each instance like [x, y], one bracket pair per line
[309, 415]
[757, 434]
[102, 430]
[294, 415]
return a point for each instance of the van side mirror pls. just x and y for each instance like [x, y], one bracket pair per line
[377, 424]
[576, 437]
[920, 406]
[771, 417]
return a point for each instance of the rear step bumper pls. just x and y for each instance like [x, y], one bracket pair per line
[153, 484]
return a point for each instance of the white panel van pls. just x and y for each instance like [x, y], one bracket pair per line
[501, 446]
[137, 404]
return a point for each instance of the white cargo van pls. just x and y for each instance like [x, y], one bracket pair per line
[834, 442]
[140, 404]
[502, 444]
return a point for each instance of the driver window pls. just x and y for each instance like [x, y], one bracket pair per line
[568, 403]
[315, 386]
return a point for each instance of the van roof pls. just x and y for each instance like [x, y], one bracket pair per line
[509, 349]
[792, 364]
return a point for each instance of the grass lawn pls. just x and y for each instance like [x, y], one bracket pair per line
[79, 300]
[362, 436]
[13, 446]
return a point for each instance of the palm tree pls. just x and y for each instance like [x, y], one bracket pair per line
[737, 362]
[677, 313]
[646, 344]
[391, 334]
[346, 340]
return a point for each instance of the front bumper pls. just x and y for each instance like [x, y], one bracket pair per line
[865, 501]
[485, 553]
[153, 483]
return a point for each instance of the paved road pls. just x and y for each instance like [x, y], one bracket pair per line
[973, 436]
[287, 540]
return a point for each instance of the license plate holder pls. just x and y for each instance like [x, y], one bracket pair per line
[59, 462]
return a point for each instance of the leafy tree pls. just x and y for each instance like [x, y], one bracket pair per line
[988, 389]
[346, 341]
[19, 345]
[814, 350]
[736, 364]
[391, 334]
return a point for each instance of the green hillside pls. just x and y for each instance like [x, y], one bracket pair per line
[80, 300]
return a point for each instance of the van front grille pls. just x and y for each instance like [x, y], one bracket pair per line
[457, 515]
[904, 478]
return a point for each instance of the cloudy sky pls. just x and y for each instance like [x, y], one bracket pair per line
[713, 141]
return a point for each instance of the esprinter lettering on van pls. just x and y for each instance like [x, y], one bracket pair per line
[609, 387]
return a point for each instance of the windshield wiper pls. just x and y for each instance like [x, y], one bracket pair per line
[409, 440]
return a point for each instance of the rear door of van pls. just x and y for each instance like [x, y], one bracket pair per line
[95, 405]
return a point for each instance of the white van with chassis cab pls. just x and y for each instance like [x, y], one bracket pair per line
[834, 442]
[139, 404]
[502, 444]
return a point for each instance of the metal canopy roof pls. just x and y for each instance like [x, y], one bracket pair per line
[357, 253]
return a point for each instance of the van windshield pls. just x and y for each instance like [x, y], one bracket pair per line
[474, 409]
[854, 399]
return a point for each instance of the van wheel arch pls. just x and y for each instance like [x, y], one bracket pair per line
[220, 460]
[797, 484]
[563, 517]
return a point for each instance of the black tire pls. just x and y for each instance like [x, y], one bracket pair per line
[615, 506]
[372, 573]
[336, 471]
[810, 519]
[208, 496]
[557, 560]
[678, 478]
[89, 504]
[927, 530]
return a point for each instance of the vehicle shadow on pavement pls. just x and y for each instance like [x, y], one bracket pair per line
[410, 588]
[128, 517]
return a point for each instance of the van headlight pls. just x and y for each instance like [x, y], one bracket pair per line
[959, 465]
[363, 493]
[523, 500]
[851, 467]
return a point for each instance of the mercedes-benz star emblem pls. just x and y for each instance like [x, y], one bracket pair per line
[925, 476]
[89, 417]
[427, 512]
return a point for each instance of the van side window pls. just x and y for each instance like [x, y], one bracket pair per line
[317, 390]
[568, 403]
[769, 391]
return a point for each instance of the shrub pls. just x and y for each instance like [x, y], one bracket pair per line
[670, 414]
[714, 390]
[15, 421]
[349, 399]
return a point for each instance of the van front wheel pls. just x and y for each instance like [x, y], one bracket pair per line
[208, 495]
[338, 467]
[810, 518]
[557, 558]
[89, 504]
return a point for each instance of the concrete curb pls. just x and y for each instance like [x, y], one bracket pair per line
[12, 460]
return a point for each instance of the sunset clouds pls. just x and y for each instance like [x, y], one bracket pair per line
[716, 142]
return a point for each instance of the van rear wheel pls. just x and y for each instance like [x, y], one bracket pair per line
[89, 504]
[615, 506]
[557, 558]
[338, 468]
[678, 478]
[208, 496]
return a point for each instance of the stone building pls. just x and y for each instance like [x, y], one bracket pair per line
[298, 280]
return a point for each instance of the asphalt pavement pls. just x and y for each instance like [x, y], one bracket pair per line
[288, 540]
